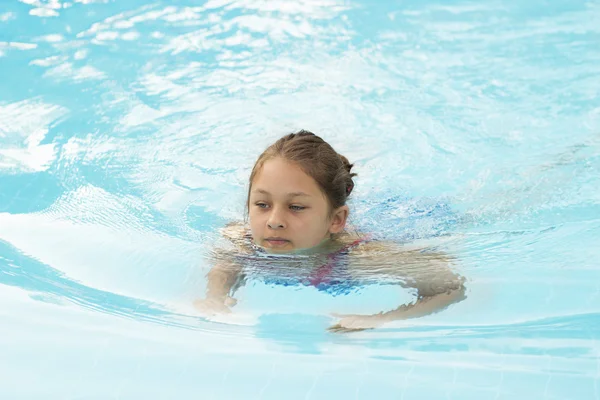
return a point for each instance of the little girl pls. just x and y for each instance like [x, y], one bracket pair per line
[297, 207]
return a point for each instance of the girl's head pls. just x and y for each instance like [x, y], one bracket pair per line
[298, 191]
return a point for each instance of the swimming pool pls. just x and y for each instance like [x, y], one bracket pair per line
[127, 133]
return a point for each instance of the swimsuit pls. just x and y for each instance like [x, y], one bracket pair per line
[324, 277]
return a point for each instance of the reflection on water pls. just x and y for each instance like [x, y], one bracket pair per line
[128, 131]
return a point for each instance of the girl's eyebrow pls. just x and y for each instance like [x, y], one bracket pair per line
[293, 194]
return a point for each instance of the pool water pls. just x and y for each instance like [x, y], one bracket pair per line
[128, 130]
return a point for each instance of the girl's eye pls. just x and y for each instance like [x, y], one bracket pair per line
[262, 205]
[297, 208]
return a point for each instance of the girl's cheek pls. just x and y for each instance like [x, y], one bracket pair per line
[257, 218]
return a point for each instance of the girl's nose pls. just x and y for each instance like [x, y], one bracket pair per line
[275, 225]
[275, 220]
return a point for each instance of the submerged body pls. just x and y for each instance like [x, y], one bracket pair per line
[340, 267]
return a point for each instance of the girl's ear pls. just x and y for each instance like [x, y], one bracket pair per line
[338, 220]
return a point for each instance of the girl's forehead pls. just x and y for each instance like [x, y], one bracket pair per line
[284, 170]
[280, 175]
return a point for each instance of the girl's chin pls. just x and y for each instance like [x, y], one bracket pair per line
[289, 248]
[278, 247]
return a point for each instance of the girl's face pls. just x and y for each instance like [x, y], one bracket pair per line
[288, 211]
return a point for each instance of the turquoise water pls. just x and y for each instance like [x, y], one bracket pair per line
[128, 130]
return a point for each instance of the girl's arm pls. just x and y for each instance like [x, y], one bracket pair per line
[437, 288]
[224, 276]
[221, 279]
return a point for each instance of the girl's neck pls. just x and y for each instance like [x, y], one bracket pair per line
[327, 245]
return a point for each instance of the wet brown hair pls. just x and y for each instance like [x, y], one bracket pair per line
[331, 171]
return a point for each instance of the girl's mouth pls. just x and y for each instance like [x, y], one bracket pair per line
[277, 242]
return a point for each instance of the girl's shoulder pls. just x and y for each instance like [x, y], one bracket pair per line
[355, 242]
[368, 251]
[234, 230]
[368, 243]
[238, 234]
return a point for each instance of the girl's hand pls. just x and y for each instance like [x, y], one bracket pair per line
[210, 307]
[354, 323]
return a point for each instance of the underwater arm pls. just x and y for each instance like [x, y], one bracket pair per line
[225, 276]
[437, 288]
[428, 304]
[221, 280]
